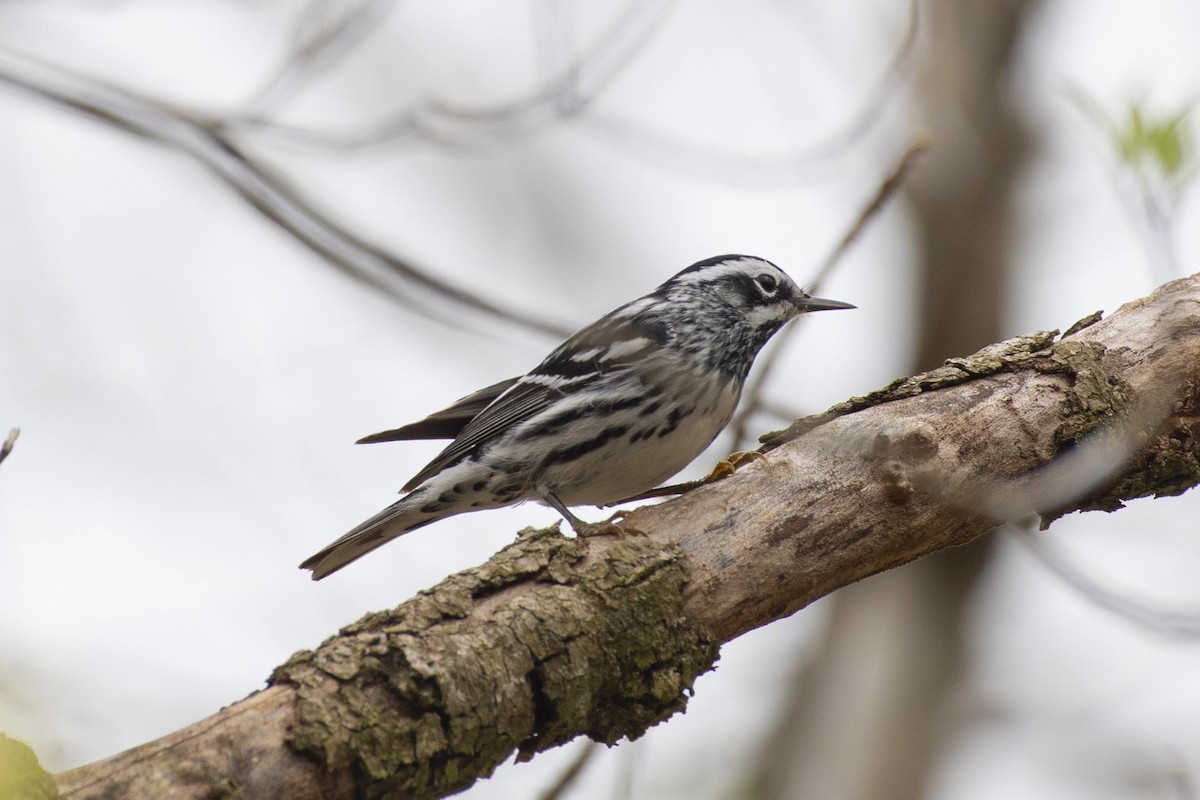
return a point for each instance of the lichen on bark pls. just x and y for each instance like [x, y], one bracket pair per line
[1169, 463]
[535, 647]
[1000, 357]
[1096, 395]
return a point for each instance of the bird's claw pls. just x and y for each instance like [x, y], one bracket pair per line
[608, 527]
[732, 463]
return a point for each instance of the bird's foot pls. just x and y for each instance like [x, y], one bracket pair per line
[584, 530]
[732, 463]
[608, 527]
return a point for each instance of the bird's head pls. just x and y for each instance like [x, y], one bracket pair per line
[764, 296]
[722, 310]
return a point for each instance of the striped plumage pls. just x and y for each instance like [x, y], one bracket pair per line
[616, 409]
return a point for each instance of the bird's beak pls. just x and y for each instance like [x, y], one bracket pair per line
[807, 303]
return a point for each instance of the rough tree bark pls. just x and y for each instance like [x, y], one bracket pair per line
[555, 637]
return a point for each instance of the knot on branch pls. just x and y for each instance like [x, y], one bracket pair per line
[898, 452]
[537, 646]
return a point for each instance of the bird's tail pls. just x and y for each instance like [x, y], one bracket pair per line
[402, 516]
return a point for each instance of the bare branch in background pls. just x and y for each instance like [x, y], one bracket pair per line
[320, 42]
[1150, 616]
[568, 90]
[564, 96]
[564, 93]
[895, 179]
[7, 446]
[772, 169]
[752, 401]
[218, 143]
[569, 775]
[267, 191]
[554, 34]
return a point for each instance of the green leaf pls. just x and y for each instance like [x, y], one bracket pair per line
[1169, 143]
[1163, 142]
[21, 776]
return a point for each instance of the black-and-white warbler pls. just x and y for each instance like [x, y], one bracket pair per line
[616, 409]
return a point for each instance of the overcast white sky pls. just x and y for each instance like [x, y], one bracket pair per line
[189, 380]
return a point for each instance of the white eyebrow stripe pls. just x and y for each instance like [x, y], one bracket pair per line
[734, 267]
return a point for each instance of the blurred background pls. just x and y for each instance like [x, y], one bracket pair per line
[237, 235]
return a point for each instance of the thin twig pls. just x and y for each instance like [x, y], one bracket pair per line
[554, 34]
[1163, 621]
[570, 90]
[564, 94]
[627, 763]
[572, 772]
[753, 396]
[666, 151]
[315, 49]
[887, 188]
[7, 446]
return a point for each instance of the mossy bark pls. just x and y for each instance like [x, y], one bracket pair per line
[1098, 394]
[408, 699]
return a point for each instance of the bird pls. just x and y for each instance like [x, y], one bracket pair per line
[616, 409]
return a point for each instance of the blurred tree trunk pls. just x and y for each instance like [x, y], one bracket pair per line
[864, 720]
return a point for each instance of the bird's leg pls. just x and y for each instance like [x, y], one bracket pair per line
[724, 468]
[732, 463]
[608, 527]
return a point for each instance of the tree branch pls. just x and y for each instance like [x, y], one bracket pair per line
[555, 638]
[7, 445]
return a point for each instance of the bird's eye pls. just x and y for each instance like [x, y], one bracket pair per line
[767, 282]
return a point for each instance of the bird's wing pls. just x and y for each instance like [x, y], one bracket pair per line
[521, 401]
[612, 343]
[447, 423]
